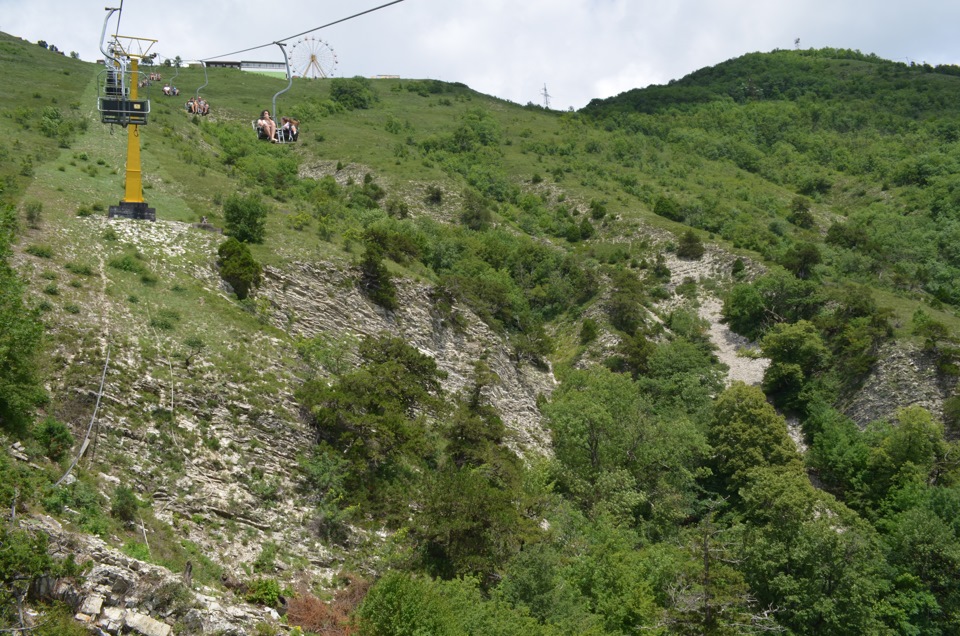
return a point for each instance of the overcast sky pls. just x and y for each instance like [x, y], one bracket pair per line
[578, 49]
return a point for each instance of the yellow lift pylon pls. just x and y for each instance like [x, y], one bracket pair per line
[119, 103]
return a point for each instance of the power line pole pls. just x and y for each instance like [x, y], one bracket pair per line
[546, 97]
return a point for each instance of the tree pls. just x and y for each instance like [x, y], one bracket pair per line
[923, 545]
[800, 259]
[800, 213]
[747, 433]
[810, 558]
[690, 246]
[374, 417]
[618, 458]
[238, 267]
[796, 352]
[376, 281]
[476, 210]
[55, 438]
[626, 300]
[245, 217]
[709, 596]
[751, 308]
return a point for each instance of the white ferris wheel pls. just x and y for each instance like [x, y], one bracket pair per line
[311, 58]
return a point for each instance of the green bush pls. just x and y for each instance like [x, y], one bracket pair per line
[668, 208]
[40, 251]
[238, 267]
[245, 218]
[125, 504]
[376, 281]
[127, 263]
[33, 211]
[690, 246]
[54, 438]
[589, 331]
[264, 592]
[352, 93]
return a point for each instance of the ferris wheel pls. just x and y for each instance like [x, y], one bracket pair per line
[311, 58]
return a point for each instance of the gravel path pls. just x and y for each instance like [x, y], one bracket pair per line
[748, 370]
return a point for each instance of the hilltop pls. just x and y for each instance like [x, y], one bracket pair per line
[684, 360]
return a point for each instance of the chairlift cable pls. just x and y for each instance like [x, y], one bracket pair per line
[356, 15]
[119, 15]
[263, 46]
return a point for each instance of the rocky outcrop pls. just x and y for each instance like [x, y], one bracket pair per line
[122, 595]
[310, 299]
[904, 375]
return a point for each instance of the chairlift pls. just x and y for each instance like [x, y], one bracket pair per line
[171, 85]
[280, 136]
[117, 85]
[190, 105]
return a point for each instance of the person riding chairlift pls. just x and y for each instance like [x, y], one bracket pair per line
[290, 129]
[266, 127]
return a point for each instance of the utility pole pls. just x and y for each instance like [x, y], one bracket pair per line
[546, 97]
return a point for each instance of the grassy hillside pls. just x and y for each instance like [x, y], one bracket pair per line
[274, 437]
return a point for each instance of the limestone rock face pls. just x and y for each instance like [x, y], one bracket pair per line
[310, 299]
[904, 375]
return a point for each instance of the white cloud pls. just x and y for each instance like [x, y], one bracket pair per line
[580, 49]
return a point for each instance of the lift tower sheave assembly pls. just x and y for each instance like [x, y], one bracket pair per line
[118, 102]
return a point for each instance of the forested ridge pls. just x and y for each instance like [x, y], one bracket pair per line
[383, 484]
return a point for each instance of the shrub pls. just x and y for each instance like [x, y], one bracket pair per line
[690, 247]
[80, 269]
[54, 438]
[125, 504]
[40, 251]
[32, 211]
[397, 208]
[668, 208]
[434, 195]
[127, 263]
[737, 269]
[951, 414]
[800, 214]
[264, 592]
[333, 618]
[238, 267]
[245, 218]
[352, 93]
[376, 280]
[589, 331]
[598, 209]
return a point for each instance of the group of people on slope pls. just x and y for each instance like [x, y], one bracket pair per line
[172, 91]
[152, 77]
[198, 106]
[267, 128]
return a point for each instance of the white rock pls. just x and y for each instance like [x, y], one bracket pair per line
[143, 624]
[92, 605]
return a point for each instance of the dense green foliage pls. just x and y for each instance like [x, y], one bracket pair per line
[669, 503]
[20, 389]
